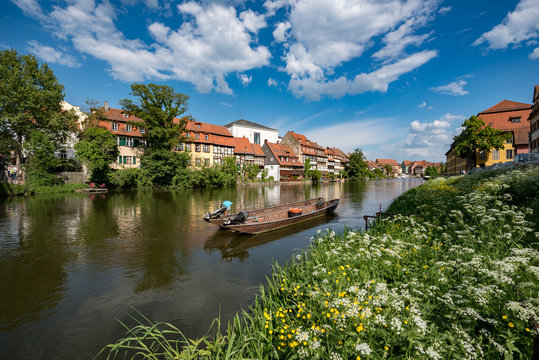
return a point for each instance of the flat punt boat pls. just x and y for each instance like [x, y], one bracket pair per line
[276, 217]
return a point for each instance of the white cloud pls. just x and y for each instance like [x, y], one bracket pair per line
[535, 54]
[225, 104]
[280, 33]
[428, 140]
[245, 79]
[422, 105]
[51, 55]
[444, 10]
[518, 26]
[325, 34]
[455, 88]
[272, 82]
[213, 42]
[378, 80]
[30, 8]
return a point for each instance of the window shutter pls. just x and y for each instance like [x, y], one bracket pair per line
[125, 159]
[122, 141]
[136, 143]
[119, 159]
[134, 160]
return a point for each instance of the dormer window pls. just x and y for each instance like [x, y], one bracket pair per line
[515, 120]
[198, 126]
[142, 130]
[197, 136]
[125, 115]
[187, 135]
[114, 126]
[128, 127]
[206, 137]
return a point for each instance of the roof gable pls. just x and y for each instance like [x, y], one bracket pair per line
[506, 105]
[246, 123]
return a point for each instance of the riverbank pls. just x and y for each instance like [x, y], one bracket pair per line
[7, 190]
[455, 276]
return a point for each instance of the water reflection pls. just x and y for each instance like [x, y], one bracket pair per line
[72, 265]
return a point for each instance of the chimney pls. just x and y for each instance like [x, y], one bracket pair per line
[106, 106]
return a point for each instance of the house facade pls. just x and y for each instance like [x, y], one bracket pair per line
[209, 144]
[512, 117]
[256, 133]
[396, 169]
[248, 154]
[307, 149]
[534, 121]
[281, 162]
[130, 138]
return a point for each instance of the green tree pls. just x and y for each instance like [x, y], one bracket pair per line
[476, 138]
[251, 171]
[41, 164]
[97, 148]
[30, 100]
[357, 166]
[431, 171]
[159, 107]
[162, 165]
[389, 169]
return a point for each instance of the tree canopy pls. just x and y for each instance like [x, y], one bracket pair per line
[357, 166]
[97, 148]
[30, 100]
[159, 106]
[477, 137]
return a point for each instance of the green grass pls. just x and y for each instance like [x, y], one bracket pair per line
[7, 190]
[456, 276]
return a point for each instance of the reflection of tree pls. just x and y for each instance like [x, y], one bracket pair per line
[33, 270]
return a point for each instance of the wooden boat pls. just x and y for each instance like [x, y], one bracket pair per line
[276, 217]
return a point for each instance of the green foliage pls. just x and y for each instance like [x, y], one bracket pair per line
[314, 175]
[30, 98]
[158, 106]
[97, 148]
[389, 169]
[476, 138]
[129, 178]
[42, 163]
[162, 165]
[431, 171]
[357, 166]
[251, 171]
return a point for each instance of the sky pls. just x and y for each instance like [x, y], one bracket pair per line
[394, 78]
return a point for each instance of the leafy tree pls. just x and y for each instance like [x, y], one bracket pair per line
[162, 165]
[42, 164]
[389, 169]
[30, 100]
[357, 166]
[431, 171]
[251, 171]
[158, 106]
[476, 138]
[230, 169]
[97, 148]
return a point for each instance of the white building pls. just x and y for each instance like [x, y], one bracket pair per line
[67, 151]
[256, 133]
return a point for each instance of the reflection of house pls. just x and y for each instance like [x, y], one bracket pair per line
[534, 121]
[508, 116]
[281, 162]
[131, 139]
[247, 153]
[209, 144]
[395, 167]
[256, 133]
[307, 149]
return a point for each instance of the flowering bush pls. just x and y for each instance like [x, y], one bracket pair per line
[456, 278]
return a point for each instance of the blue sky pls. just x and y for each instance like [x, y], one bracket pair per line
[395, 78]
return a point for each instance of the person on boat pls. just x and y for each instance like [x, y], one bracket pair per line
[227, 204]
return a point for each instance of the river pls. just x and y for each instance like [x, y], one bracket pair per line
[73, 266]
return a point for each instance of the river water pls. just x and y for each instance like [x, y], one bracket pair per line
[73, 266]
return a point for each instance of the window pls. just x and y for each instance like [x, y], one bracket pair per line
[128, 142]
[495, 154]
[128, 127]
[187, 135]
[206, 137]
[126, 115]
[114, 126]
[197, 147]
[482, 156]
[206, 148]
[62, 154]
[207, 162]
[515, 120]
[142, 130]
[197, 136]
[509, 141]
[197, 162]
[257, 138]
[121, 141]
[490, 124]
[509, 154]
[188, 147]
[143, 143]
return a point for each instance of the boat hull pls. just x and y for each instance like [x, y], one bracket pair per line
[260, 227]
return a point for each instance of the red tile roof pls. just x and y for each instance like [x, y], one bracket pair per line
[284, 151]
[506, 105]
[391, 162]
[222, 141]
[197, 126]
[258, 150]
[117, 116]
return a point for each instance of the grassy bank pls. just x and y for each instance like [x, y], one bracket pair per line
[456, 276]
[7, 190]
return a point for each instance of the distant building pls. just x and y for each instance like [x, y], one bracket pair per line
[281, 162]
[209, 144]
[307, 149]
[455, 165]
[256, 133]
[534, 121]
[247, 153]
[406, 166]
[395, 167]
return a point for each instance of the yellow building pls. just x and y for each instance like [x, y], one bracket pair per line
[209, 144]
